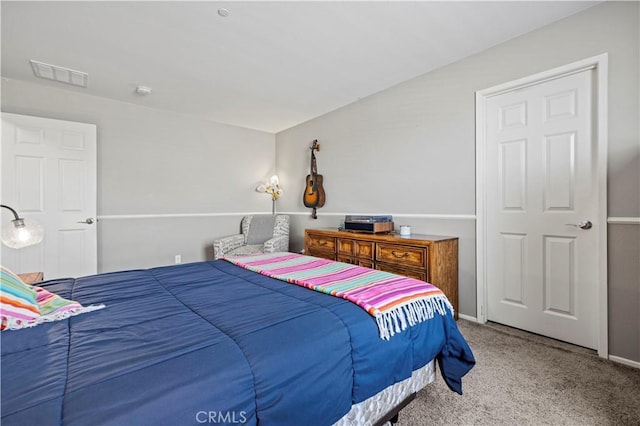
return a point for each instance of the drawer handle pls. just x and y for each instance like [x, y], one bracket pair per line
[322, 243]
[399, 256]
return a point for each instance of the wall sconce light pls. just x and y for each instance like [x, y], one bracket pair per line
[273, 188]
[21, 232]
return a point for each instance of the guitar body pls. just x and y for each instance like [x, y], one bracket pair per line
[314, 195]
[310, 198]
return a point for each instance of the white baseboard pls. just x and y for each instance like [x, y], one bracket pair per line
[467, 317]
[625, 361]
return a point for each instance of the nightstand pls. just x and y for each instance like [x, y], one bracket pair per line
[32, 277]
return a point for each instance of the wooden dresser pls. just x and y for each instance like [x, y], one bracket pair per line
[426, 257]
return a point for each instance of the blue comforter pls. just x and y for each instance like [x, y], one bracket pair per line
[207, 343]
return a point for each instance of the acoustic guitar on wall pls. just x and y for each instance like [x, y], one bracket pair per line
[314, 196]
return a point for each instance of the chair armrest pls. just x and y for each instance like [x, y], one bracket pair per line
[278, 243]
[224, 245]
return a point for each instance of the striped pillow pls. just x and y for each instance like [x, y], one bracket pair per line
[51, 304]
[18, 301]
[26, 306]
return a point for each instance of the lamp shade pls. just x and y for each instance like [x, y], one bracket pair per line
[21, 232]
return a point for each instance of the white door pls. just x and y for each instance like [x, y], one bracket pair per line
[49, 174]
[541, 210]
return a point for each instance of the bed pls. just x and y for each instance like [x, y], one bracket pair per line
[215, 343]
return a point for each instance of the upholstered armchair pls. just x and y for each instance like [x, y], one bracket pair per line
[259, 234]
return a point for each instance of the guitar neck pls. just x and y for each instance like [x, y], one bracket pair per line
[314, 168]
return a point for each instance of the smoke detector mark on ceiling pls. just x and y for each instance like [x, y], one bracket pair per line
[223, 11]
[59, 74]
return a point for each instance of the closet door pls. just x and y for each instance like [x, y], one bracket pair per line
[542, 253]
[49, 174]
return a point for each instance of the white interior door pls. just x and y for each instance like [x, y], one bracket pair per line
[49, 174]
[541, 197]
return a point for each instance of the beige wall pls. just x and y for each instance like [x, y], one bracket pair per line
[160, 164]
[410, 150]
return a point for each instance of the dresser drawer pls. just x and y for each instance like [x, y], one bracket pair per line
[346, 247]
[323, 254]
[419, 274]
[355, 261]
[320, 242]
[359, 249]
[364, 250]
[399, 254]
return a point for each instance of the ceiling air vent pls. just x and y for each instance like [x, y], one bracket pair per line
[61, 74]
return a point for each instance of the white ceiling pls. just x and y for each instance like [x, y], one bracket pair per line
[268, 65]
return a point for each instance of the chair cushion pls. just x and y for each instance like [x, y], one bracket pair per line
[246, 250]
[261, 229]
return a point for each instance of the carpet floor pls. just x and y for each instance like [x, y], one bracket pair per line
[525, 379]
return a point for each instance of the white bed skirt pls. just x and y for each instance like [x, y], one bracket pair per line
[371, 410]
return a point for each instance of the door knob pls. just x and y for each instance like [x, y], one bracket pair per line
[88, 221]
[585, 224]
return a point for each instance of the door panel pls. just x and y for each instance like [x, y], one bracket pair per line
[559, 275]
[514, 261]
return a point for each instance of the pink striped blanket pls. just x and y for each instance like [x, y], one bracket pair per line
[395, 301]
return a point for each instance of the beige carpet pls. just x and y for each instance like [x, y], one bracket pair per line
[524, 379]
